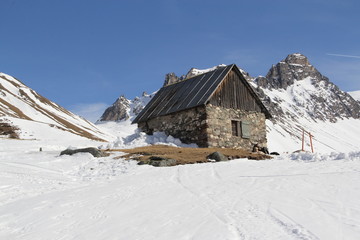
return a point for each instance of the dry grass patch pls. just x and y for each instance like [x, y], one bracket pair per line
[186, 155]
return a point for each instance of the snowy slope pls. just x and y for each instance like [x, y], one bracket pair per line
[36, 116]
[297, 196]
[295, 102]
[299, 98]
[355, 95]
[293, 196]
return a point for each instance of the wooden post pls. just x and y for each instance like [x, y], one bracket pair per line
[312, 148]
[302, 145]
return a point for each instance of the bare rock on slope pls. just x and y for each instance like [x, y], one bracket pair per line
[320, 100]
[117, 111]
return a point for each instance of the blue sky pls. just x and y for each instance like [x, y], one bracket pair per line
[83, 54]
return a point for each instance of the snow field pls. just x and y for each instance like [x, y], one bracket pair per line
[129, 136]
[296, 196]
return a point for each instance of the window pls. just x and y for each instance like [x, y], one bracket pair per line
[243, 126]
[235, 128]
[245, 129]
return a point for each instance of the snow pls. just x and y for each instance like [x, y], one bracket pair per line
[292, 196]
[195, 71]
[48, 114]
[296, 65]
[285, 136]
[341, 136]
[355, 95]
[297, 196]
[129, 136]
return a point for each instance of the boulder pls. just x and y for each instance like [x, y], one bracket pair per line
[93, 151]
[161, 162]
[217, 156]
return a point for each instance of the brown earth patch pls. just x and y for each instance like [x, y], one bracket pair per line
[8, 130]
[186, 155]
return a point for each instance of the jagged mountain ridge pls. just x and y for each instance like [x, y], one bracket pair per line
[313, 96]
[299, 97]
[124, 109]
[171, 78]
[20, 106]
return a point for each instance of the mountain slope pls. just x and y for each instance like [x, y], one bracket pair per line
[299, 98]
[303, 91]
[23, 108]
[124, 109]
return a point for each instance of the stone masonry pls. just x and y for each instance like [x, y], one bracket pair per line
[219, 129]
[210, 126]
[187, 125]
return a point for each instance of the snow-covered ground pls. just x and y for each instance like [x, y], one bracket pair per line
[297, 196]
[293, 196]
[342, 136]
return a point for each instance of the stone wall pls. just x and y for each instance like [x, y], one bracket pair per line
[210, 126]
[219, 129]
[188, 125]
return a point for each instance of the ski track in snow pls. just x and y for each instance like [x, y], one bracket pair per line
[297, 196]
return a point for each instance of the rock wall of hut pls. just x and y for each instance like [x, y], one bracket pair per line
[211, 126]
[187, 125]
[220, 132]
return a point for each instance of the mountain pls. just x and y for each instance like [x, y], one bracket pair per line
[301, 101]
[312, 95]
[26, 114]
[124, 109]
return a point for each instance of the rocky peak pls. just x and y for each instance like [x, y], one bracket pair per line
[294, 67]
[124, 109]
[170, 78]
[312, 94]
[297, 58]
[117, 111]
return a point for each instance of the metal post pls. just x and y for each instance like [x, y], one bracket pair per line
[303, 136]
[312, 148]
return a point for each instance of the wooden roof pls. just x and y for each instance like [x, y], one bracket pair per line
[189, 93]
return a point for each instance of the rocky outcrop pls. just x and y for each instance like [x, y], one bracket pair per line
[93, 151]
[118, 111]
[170, 78]
[8, 129]
[294, 67]
[138, 103]
[124, 109]
[312, 95]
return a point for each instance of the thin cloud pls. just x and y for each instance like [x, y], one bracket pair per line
[344, 73]
[91, 111]
[342, 55]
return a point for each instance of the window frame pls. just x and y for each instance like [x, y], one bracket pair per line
[241, 129]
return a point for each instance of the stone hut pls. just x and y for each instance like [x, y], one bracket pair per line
[214, 109]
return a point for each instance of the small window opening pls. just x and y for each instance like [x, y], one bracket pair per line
[235, 128]
[240, 129]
